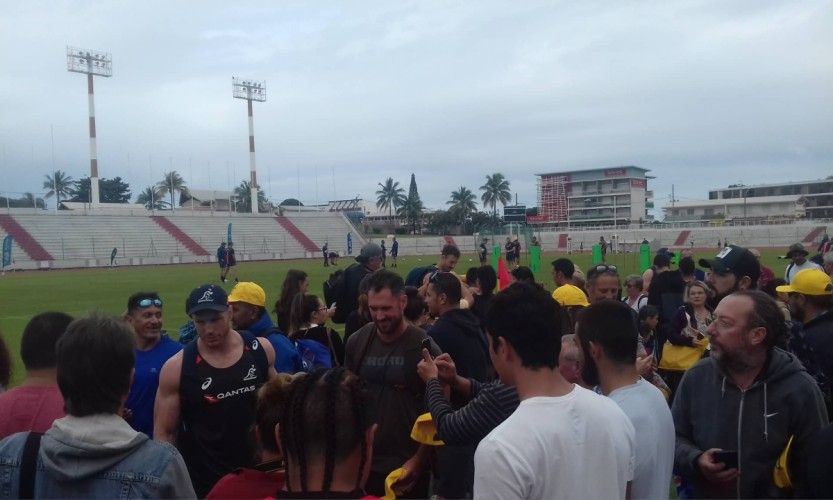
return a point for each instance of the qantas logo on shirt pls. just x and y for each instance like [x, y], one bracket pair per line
[213, 399]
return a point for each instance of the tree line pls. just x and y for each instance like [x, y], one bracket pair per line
[462, 203]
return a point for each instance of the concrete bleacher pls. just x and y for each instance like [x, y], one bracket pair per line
[256, 238]
[331, 227]
[86, 241]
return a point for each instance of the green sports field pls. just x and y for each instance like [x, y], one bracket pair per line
[77, 292]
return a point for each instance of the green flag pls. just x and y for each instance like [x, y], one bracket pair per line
[644, 257]
[597, 254]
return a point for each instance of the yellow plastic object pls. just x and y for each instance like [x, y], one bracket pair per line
[781, 473]
[425, 432]
[392, 478]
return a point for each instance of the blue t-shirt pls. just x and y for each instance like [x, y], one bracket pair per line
[142, 395]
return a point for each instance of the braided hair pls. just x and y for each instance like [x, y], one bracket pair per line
[324, 417]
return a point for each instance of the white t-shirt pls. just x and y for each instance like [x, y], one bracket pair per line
[580, 445]
[792, 269]
[649, 414]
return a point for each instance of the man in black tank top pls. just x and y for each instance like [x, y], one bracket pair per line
[207, 392]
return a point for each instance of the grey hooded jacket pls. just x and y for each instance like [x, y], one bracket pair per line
[712, 412]
[97, 456]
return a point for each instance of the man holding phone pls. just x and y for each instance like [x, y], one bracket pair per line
[736, 411]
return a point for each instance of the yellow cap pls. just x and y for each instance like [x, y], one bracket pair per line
[248, 292]
[809, 282]
[392, 478]
[425, 432]
[570, 295]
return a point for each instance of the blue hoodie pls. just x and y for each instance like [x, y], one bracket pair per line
[287, 359]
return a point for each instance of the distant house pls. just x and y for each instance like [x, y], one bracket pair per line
[206, 200]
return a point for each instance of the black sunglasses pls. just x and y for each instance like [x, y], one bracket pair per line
[150, 302]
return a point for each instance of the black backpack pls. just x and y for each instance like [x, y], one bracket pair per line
[334, 288]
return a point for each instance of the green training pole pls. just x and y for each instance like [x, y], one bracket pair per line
[495, 256]
[597, 254]
[534, 258]
[644, 257]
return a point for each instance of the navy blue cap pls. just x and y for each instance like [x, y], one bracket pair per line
[206, 298]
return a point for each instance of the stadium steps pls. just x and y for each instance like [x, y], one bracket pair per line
[681, 238]
[296, 233]
[812, 235]
[180, 236]
[25, 240]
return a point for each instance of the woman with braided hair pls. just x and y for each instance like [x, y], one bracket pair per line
[326, 435]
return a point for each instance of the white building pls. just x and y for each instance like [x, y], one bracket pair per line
[594, 197]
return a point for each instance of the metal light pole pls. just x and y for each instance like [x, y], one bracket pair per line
[250, 91]
[91, 62]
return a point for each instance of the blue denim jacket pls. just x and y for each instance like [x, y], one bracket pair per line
[96, 457]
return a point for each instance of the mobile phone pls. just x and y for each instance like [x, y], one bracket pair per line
[728, 457]
[426, 344]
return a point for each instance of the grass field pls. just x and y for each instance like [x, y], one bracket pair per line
[78, 292]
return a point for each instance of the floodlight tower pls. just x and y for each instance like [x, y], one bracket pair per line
[91, 63]
[250, 91]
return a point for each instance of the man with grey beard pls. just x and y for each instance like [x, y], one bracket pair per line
[736, 411]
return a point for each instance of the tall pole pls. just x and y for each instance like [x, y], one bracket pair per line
[54, 181]
[252, 170]
[94, 197]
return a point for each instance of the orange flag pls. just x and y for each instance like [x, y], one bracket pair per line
[503, 277]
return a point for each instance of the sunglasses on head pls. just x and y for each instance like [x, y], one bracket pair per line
[150, 302]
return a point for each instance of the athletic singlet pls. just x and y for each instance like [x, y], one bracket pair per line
[217, 407]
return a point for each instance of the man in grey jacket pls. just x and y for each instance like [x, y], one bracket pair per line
[736, 411]
[92, 452]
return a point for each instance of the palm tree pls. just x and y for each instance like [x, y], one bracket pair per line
[151, 198]
[390, 195]
[243, 193]
[172, 183]
[496, 190]
[462, 202]
[59, 184]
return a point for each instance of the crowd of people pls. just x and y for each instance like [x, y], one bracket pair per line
[606, 387]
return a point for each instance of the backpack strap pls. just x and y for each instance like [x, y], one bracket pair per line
[189, 364]
[789, 268]
[28, 465]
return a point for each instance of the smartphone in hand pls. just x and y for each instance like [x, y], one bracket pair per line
[728, 457]
[426, 344]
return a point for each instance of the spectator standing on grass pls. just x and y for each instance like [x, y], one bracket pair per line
[609, 339]
[325, 250]
[295, 282]
[748, 397]
[368, 261]
[248, 313]
[334, 463]
[384, 253]
[561, 436]
[810, 301]
[798, 255]
[385, 354]
[308, 321]
[562, 274]
[635, 298]
[767, 274]
[153, 349]
[222, 260]
[92, 452]
[37, 402]
[207, 391]
[734, 268]
[483, 252]
[231, 259]
[394, 252]
[457, 332]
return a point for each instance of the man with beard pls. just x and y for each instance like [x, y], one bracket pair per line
[385, 353]
[810, 300]
[734, 268]
[737, 410]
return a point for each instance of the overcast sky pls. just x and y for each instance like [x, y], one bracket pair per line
[702, 93]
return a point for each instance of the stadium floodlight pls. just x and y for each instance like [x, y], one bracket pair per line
[250, 91]
[92, 63]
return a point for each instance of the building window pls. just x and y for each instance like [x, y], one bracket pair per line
[689, 211]
[709, 211]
